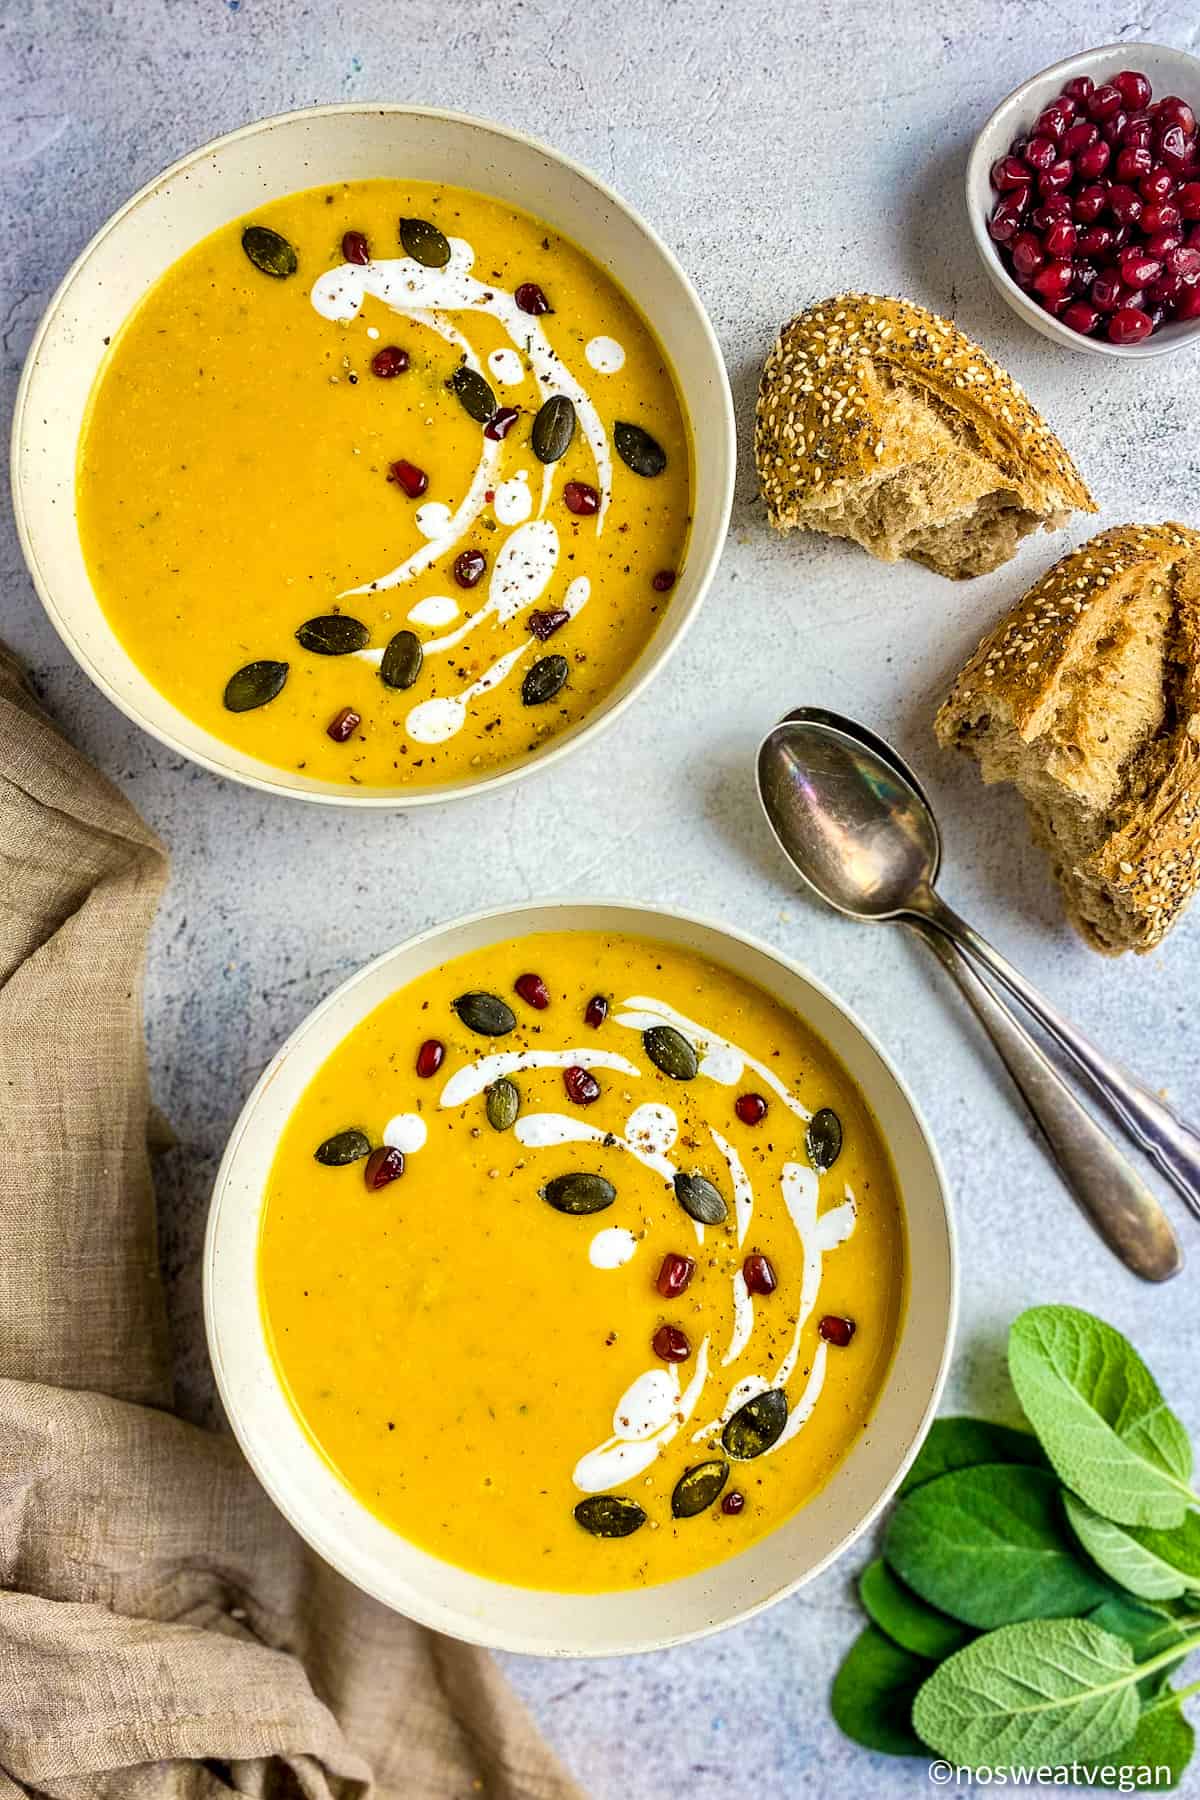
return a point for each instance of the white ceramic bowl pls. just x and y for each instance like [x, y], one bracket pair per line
[232, 176]
[488, 1612]
[1170, 72]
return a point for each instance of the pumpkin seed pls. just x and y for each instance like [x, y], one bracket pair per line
[402, 660]
[485, 1014]
[343, 1147]
[424, 243]
[756, 1425]
[697, 1488]
[503, 1104]
[474, 395]
[579, 1193]
[638, 450]
[254, 685]
[823, 1139]
[670, 1051]
[609, 1515]
[544, 680]
[269, 252]
[333, 634]
[699, 1199]
[553, 429]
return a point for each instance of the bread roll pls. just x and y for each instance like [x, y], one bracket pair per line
[880, 422]
[1087, 698]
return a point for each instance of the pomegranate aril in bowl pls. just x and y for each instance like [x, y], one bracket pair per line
[1087, 187]
[533, 991]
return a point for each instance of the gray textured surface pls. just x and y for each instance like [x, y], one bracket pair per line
[784, 152]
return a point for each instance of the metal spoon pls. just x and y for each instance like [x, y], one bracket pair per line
[856, 826]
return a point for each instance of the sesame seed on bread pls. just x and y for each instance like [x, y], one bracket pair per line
[879, 421]
[1087, 698]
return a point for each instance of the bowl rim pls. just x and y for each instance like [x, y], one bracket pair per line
[1043, 322]
[656, 654]
[642, 915]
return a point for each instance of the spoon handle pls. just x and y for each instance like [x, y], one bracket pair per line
[1107, 1187]
[1172, 1145]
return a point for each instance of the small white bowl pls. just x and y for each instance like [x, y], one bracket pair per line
[232, 176]
[1170, 72]
[469, 1606]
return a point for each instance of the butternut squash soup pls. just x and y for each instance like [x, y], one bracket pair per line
[582, 1262]
[388, 483]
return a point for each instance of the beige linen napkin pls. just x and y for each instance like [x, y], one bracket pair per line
[163, 1634]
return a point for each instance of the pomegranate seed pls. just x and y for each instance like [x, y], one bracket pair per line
[1107, 290]
[583, 500]
[1133, 87]
[1133, 163]
[1162, 243]
[1040, 152]
[596, 1011]
[1058, 176]
[1052, 211]
[1084, 275]
[544, 624]
[355, 248]
[1185, 263]
[1078, 136]
[1054, 280]
[343, 725]
[758, 1275]
[533, 991]
[389, 362]
[836, 1331]
[1010, 172]
[733, 1503]
[1129, 325]
[751, 1109]
[670, 1344]
[1094, 160]
[430, 1058]
[469, 566]
[581, 1085]
[1080, 89]
[1173, 147]
[1159, 184]
[1165, 291]
[414, 481]
[1188, 200]
[1125, 204]
[531, 299]
[1096, 240]
[1104, 102]
[1089, 203]
[1027, 253]
[1161, 215]
[673, 1276]
[1188, 304]
[1137, 268]
[1121, 236]
[1053, 303]
[501, 423]
[1060, 239]
[1081, 317]
[664, 581]
[1051, 123]
[1137, 134]
[1172, 110]
[383, 1165]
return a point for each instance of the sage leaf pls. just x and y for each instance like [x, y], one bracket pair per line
[960, 1443]
[1163, 1740]
[1144, 1562]
[906, 1618]
[873, 1692]
[1100, 1416]
[1046, 1691]
[1148, 1630]
[990, 1546]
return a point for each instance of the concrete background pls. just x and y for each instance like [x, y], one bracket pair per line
[785, 152]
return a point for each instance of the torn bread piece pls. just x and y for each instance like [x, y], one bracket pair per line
[1087, 699]
[881, 422]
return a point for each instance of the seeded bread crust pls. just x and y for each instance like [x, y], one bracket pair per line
[1087, 698]
[879, 421]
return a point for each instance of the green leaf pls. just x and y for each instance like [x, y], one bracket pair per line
[1147, 1630]
[1163, 1740]
[873, 1694]
[960, 1443]
[905, 1617]
[1140, 1561]
[1100, 1416]
[989, 1546]
[1048, 1691]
